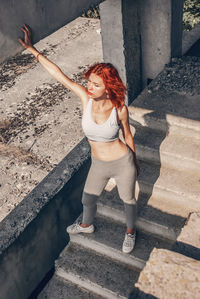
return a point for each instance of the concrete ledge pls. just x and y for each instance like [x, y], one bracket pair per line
[33, 234]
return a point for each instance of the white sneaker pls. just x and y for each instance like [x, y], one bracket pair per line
[76, 228]
[129, 243]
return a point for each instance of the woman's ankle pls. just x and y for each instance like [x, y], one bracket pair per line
[85, 225]
[130, 231]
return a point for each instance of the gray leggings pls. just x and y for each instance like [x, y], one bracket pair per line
[123, 170]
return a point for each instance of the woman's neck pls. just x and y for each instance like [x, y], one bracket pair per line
[102, 103]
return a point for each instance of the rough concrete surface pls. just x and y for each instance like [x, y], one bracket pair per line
[98, 269]
[40, 121]
[58, 288]
[44, 17]
[170, 275]
[181, 75]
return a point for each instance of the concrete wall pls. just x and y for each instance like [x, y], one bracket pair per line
[139, 37]
[112, 39]
[132, 47]
[161, 34]
[33, 234]
[44, 17]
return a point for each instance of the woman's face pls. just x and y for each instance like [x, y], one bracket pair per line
[96, 87]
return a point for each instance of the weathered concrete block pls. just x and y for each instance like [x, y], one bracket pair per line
[190, 233]
[188, 242]
[170, 275]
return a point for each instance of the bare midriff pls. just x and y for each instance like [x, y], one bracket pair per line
[108, 151]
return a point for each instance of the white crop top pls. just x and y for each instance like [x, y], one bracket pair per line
[106, 132]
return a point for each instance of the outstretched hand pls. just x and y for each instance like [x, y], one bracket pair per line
[27, 37]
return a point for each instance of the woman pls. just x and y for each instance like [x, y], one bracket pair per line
[104, 113]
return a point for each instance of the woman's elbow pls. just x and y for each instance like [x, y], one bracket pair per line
[55, 71]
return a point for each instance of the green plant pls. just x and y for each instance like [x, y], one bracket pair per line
[93, 12]
[191, 14]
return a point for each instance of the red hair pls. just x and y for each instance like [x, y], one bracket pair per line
[113, 83]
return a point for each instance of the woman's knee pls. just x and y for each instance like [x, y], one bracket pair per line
[129, 201]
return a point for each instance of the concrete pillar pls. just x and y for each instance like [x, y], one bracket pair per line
[161, 34]
[121, 41]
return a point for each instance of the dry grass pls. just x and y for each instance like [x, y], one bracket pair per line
[15, 66]
[5, 124]
[23, 155]
[93, 13]
[15, 152]
[191, 14]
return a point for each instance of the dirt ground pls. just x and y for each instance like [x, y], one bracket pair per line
[40, 120]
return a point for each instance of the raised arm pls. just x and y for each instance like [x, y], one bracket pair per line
[52, 68]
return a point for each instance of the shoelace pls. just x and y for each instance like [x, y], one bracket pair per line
[129, 238]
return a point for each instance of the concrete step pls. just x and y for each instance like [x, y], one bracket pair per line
[153, 220]
[59, 288]
[167, 111]
[170, 184]
[108, 238]
[96, 272]
[172, 150]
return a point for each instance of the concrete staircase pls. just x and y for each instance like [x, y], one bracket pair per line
[165, 124]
